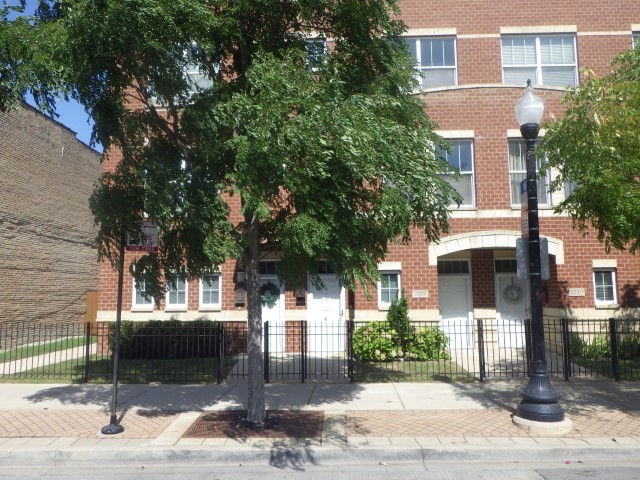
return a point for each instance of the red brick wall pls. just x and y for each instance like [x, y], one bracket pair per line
[487, 16]
[487, 108]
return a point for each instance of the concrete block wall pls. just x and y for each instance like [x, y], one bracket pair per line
[48, 258]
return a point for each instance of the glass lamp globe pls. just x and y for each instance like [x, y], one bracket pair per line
[530, 107]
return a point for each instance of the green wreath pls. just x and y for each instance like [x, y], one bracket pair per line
[269, 294]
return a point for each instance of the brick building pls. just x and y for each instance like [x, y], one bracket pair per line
[474, 59]
[48, 259]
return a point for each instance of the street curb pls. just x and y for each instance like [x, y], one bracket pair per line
[283, 456]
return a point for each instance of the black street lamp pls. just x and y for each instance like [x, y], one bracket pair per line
[539, 398]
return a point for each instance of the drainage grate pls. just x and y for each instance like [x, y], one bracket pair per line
[279, 424]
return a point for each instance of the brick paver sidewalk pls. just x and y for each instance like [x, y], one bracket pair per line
[490, 422]
[81, 423]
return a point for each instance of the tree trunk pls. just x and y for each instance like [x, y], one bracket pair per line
[255, 402]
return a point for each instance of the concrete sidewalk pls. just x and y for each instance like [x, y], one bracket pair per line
[394, 422]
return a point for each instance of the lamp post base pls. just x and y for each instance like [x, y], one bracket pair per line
[539, 399]
[540, 412]
[113, 428]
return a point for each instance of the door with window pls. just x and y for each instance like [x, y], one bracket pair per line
[272, 298]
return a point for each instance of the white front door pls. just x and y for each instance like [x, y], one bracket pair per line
[455, 309]
[272, 296]
[512, 300]
[326, 328]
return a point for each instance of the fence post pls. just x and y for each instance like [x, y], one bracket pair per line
[221, 351]
[87, 350]
[350, 351]
[303, 347]
[566, 348]
[527, 338]
[265, 341]
[481, 349]
[615, 362]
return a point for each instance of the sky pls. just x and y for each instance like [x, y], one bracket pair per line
[71, 113]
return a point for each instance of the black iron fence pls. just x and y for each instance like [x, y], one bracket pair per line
[298, 351]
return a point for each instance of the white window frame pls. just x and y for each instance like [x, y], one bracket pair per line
[147, 303]
[422, 70]
[384, 305]
[635, 40]
[613, 286]
[214, 305]
[544, 201]
[177, 306]
[464, 174]
[537, 62]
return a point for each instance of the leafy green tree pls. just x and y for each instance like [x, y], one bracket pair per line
[327, 159]
[25, 63]
[596, 147]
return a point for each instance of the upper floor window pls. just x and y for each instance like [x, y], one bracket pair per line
[388, 288]
[461, 158]
[604, 283]
[435, 60]
[176, 296]
[316, 52]
[545, 59]
[518, 173]
[210, 290]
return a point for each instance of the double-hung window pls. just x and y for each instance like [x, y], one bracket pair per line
[197, 77]
[604, 286]
[461, 159]
[435, 59]
[176, 296]
[141, 301]
[544, 59]
[388, 289]
[518, 173]
[210, 291]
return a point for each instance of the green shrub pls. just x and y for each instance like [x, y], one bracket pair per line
[599, 347]
[429, 344]
[399, 321]
[374, 343]
[396, 338]
[172, 339]
[629, 346]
